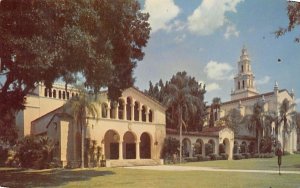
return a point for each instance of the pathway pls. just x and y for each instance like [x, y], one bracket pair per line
[193, 168]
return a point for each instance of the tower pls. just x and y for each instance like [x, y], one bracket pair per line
[244, 80]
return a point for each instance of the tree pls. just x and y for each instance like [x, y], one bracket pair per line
[256, 121]
[233, 120]
[42, 41]
[214, 110]
[293, 12]
[161, 91]
[82, 106]
[286, 110]
[181, 100]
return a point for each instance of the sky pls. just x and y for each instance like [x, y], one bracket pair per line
[205, 39]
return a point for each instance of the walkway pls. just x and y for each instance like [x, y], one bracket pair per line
[193, 168]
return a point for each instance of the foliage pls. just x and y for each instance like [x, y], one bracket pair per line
[3, 155]
[81, 107]
[237, 157]
[233, 120]
[208, 148]
[197, 148]
[170, 147]
[266, 145]
[35, 152]
[92, 153]
[293, 13]
[42, 41]
[182, 90]
[214, 110]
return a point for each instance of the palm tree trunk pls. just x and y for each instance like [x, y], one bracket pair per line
[82, 145]
[180, 134]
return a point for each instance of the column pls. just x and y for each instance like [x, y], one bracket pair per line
[121, 149]
[116, 111]
[137, 145]
[132, 110]
[125, 110]
[108, 111]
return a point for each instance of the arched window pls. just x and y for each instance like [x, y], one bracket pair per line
[136, 111]
[121, 109]
[54, 93]
[128, 108]
[242, 68]
[104, 109]
[239, 85]
[46, 92]
[112, 110]
[243, 84]
[143, 113]
[150, 116]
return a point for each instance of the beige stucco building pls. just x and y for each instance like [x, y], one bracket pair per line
[132, 131]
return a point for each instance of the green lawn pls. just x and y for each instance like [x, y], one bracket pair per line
[289, 162]
[121, 177]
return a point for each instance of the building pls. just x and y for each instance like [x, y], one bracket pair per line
[245, 96]
[130, 132]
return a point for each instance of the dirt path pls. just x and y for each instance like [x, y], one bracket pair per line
[193, 168]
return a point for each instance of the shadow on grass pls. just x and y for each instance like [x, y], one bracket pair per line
[46, 178]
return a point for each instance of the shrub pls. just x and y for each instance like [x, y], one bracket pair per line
[224, 156]
[286, 153]
[170, 147]
[191, 159]
[3, 156]
[213, 156]
[246, 155]
[208, 148]
[237, 157]
[296, 152]
[35, 152]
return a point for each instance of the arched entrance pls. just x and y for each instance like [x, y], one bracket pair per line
[228, 151]
[199, 147]
[213, 145]
[111, 144]
[129, 145]
[187, 149]
[145, 146]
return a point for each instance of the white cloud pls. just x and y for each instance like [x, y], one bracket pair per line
[218, 71]
[231, 31]
[161, 13]
[211, 86]
[263, 81]
[210, 15]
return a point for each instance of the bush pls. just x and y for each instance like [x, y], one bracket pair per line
[213, 156]
[191, 159]
[296, 152]
[170, 147]
[246, 155]
[237, 157]
[35, 152]
[208, 149]
[224, 156]
[286, 153]
[3, 156]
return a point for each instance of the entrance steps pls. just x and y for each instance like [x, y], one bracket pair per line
[133, 162]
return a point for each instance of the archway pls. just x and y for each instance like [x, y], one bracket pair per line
[213, 145]
[145, 146]
[226, 143]
[121, 108]
[136, 111]
[129, 145]
[199, 147]
[111, 144]
[128, 108]
[187, 149]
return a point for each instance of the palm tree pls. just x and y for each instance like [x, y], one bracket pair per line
[286, 110]
[214, 109]
[180, 99]
[81, 106]
[256, 120]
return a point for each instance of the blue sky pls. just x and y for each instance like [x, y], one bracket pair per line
[205, 38]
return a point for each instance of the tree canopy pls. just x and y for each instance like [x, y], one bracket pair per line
[293, 13]
[46, 40]
[190, 97]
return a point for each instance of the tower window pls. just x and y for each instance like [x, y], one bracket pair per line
[242, 68]
[239, 85]
[243, 84]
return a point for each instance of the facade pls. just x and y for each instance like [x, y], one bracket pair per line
[132, 131]
[243, 98]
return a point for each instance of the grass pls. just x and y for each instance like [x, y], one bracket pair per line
[121, 177]
[289, 162]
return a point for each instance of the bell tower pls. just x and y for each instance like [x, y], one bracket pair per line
[244, 80]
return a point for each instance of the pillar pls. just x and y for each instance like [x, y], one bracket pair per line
[137, 145]
[147, 115]
[140, 112]
[108, 111]
[132, 110]
[125, 110]
[121, 150]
